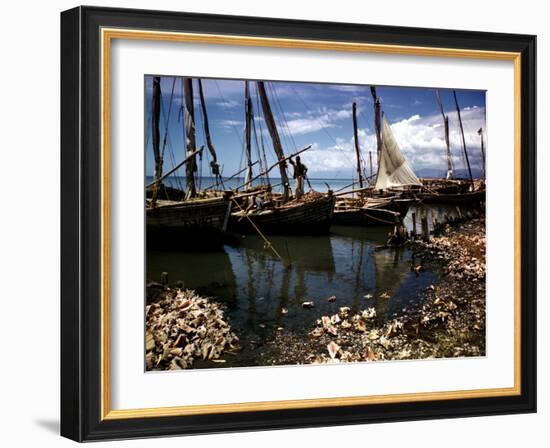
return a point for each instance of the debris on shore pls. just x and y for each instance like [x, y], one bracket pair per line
[449, 323]
[182, 327]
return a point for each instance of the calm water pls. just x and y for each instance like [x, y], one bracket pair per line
[256, 285]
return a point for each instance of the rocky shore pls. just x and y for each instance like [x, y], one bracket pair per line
[182, 327]
[449, 323]
[184, 330]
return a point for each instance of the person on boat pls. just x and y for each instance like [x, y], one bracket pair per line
[259, 204]
[300, 171]
[255, 204]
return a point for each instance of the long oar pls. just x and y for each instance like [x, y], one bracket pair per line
[266, 241]
[178, 166]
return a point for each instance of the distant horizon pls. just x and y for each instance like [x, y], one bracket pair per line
[458, 175]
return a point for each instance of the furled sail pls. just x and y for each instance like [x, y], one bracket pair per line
[393, 169]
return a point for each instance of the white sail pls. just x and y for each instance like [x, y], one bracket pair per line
[393, 170]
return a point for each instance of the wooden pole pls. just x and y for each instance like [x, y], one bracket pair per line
[266, 241]
[447, 142]
[155, 127]
[425, 229]
[357, 150]
[370, 163]
[414, 224]
[247, 134]
[277, 146]
[157, 182]
[480, 132]
[463, 139]
[214, 166]
[189, 123]
[359, 190]
[377, 126]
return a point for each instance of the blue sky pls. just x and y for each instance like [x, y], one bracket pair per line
[321, 115]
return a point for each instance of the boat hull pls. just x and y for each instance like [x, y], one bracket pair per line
[310, 217]
[195, 222]
[383, 212]
[365, 216]
[467, 198]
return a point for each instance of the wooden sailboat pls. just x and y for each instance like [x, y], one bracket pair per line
[278, 213]
[374, 206]
[188, 219]
[449, 190]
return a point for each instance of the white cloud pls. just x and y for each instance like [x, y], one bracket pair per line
[313, 121]
[340, 158]
[231, 123]
[228, 103]
[421, 140]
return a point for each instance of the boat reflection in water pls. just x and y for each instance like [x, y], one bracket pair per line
[264, 293]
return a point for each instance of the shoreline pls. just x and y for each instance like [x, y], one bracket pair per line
[448, 322]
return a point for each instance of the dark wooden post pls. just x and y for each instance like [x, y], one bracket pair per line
[371, 171]
[463, 140]
[214, 166]
[356, 140]
[247, 135]
[425, 229]
[480, 132]
[447, 143]
[189, 123]
[155, 122]
[377, 125]
[459, 212]
[277, 146]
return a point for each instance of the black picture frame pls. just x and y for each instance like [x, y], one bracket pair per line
[81, 227]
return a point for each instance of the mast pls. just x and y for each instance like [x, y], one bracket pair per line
[272, 128]
[357, 150]
[214, 166]
[480, 132]
[377, 126]
[463, 139]
[247, 134]
[370, 164]
[189, 123]
[447, 142]
[155, 125]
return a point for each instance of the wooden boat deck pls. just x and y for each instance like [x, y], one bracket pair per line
[310, 216]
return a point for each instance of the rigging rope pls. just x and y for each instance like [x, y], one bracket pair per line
[283, 117]
[336, 145]
[261, 133]
[232, 121]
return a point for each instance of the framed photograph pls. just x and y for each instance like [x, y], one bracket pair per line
[275, 224]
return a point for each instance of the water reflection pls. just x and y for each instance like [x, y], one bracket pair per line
[256, 285]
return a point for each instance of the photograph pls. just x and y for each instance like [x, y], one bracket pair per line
[296, 223]
[280, 223]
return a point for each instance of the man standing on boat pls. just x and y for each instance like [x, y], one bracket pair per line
[300, 171]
